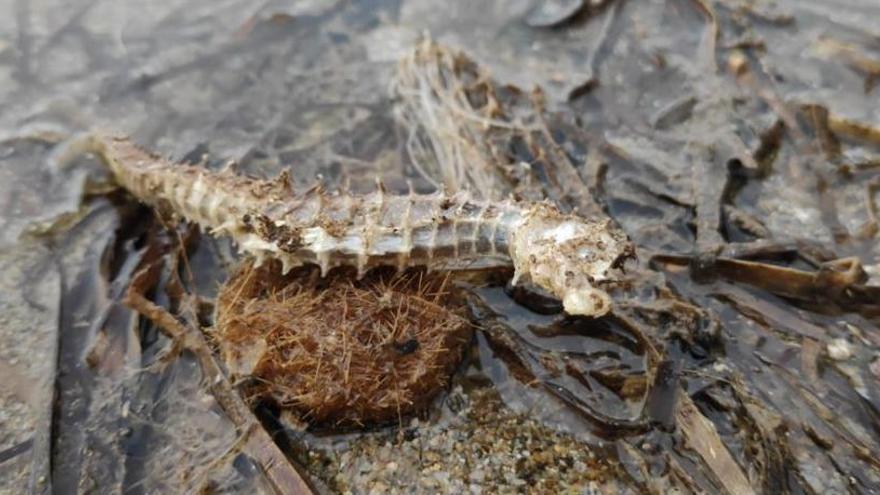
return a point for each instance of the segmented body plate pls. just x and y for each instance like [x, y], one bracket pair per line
[565, 254]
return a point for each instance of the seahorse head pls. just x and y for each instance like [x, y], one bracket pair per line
[570, 256]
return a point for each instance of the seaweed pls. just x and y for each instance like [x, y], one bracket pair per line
[736, 143]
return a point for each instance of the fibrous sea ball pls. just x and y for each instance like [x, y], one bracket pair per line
[339, 350]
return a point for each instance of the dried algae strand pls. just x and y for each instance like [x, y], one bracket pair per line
[470, 132]
[570, 256]
[448, 105]
[338, 350]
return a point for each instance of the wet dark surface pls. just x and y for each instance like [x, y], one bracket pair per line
[737, 143]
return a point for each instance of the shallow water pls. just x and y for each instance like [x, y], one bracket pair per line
[670, 124]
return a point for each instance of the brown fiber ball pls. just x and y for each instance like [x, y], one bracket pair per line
[338, 350]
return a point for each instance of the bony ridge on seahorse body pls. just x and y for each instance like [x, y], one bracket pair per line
[568, 255]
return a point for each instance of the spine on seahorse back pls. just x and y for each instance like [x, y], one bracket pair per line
[333, 229]
[201, 196]
[267, 219]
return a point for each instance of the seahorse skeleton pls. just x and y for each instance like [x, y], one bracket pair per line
[570, 256]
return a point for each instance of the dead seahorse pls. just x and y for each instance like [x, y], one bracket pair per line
[570, 256]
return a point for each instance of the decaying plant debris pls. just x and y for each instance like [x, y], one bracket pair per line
[340, 351]
[465, 132]
[276, 473]
[644, 394]
[736, 143]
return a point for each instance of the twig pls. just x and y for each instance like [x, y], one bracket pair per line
[710, 38]
[702, 436]
[278, 471]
